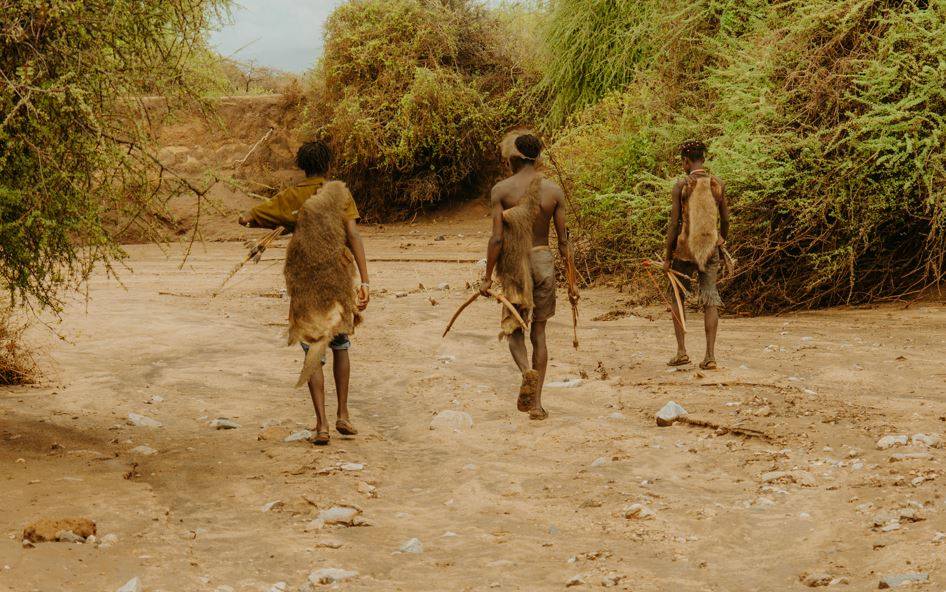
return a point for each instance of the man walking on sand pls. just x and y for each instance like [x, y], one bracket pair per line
[523, 208]
[699, 226]
[285, 209]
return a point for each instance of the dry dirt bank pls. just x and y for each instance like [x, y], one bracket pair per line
[508, 504]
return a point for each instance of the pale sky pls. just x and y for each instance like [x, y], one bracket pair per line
[283, 34]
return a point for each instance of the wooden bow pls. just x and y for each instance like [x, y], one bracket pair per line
[499, 298]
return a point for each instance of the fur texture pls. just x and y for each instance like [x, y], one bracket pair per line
[702, 234]
[513, 268]
[320, 275]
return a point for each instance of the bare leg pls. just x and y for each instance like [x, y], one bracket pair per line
[317, 391]
[678, 314]
[517, 347]
[341, 369]
[540, 362]
[711, 324]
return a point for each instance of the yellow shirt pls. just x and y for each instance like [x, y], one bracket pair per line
[283, 208]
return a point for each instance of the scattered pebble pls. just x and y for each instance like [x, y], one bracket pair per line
[275, 505]
[816, 580]
[451, 420]
[132, 585]
[331, 575]
[298, 436]
[339, 515]
[638, 512]
[930, 440]
[279, 587]
[350, 466]
[47, 530]
[617, 415]
[143, 421]
[803, 478]
[222, 423]
[670, 413]
[901, 579]
[890, 441]
[567, 383]
[412, 546]
[143, 450]
[901, 456]
[575, 581]
[600, 462]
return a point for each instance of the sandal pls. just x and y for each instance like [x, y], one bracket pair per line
[345, 427]
[321, 438]
[538, 414]
[679, 360]
[708, 364]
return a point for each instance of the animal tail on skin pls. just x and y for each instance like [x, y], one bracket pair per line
[313, 360]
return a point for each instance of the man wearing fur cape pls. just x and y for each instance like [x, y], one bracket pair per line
[523, 207]
[324, 303]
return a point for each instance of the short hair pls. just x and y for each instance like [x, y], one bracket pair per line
[693, 150]
[314, 157]
[529, 146]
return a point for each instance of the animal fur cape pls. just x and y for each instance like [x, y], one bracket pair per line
[320, 276]
[513, 268]
[700, 234]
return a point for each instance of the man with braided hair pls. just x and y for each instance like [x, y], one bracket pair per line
[523, 208]
[699, 226]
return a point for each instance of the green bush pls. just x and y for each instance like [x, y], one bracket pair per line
[72, 143]
[414, 95]
[826, 121]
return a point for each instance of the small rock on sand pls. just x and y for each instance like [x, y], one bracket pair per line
[331, 575]
[329, 543]
[803, 478]
[275, 505]
[451, 420]
[299, 436]
[816, 580]
[930, 440]
[132, 585]
[888, 442]
[279, 587]
[339, 515]
[143, 421]
[143, 450]
[901, 579]
[567, 383]
[350, 466]
[222, 423]
[600, 462]
[273, 433]
[669, 413]
[47, 530]
[575, 581]
[638, 512]
[412, 546]
[901, 456]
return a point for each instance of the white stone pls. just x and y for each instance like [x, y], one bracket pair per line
[143, 421]
[331, 575]
[275, 505]
[931, 440]
[279, 587]
[638, 512]
[669, 413]
[567, 383]
[412, 546]
[599, 462]
[577, 580]
[900, 456]
[298, 436]
[350, 466]
[890, 441]
[67, 536]
[109, 539]
[132, 585]
[451, 420]
[143, 450]
[338, 515]
[222, 423]
[616, 415]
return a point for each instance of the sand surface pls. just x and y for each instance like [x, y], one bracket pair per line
[508, 504]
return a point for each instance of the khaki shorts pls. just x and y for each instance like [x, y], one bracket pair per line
[543, 280]
[709, 294]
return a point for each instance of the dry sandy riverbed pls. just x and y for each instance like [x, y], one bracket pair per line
[509, 504]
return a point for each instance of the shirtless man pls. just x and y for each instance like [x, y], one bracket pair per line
[679, 256]
[506, 194]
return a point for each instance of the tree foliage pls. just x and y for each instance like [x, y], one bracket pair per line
[414, 95]
[71, 139]
[826, 121]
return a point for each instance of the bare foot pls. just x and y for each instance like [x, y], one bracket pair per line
[538, 414]
[530, 383]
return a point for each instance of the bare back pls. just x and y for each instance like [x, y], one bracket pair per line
[509, 192]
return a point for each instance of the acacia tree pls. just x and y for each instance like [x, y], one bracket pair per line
[73, 133]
